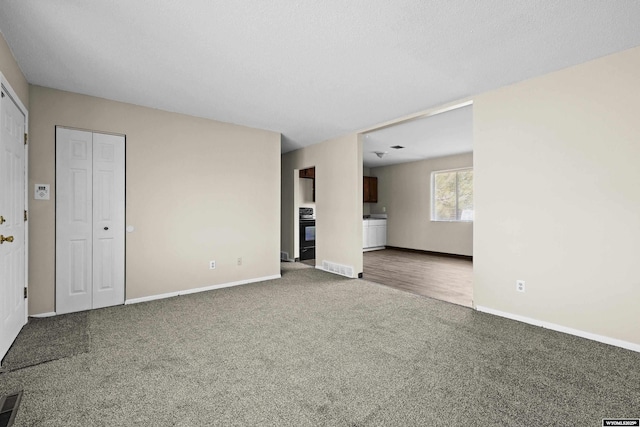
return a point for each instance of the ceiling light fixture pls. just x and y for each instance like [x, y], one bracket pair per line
[380, 154]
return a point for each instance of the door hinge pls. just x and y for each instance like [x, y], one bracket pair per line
[25, 215]
[25, 293]
[25, 139]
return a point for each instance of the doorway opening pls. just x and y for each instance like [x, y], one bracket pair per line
[306, 202]
[428, 242]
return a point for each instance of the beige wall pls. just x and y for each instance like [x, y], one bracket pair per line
[557, 197]
[305, 193]
[11, 71]
[338, 166]
[197, 190]
[405, 191]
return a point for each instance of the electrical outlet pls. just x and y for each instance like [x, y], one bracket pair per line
[212, 265]
[520, 285]
[240, 261]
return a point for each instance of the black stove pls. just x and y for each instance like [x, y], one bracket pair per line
[307, 234]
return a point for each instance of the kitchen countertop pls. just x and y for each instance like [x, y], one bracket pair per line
[374, 216]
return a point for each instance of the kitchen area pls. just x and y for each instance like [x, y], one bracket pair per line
[374, 225]
[409, 250]
[423, 254]
[307, 215]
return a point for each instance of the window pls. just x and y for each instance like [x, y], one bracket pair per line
[452, 195]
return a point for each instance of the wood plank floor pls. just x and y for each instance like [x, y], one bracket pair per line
[440, 277]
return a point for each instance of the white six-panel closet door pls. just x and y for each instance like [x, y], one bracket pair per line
[108, 220]
[89, 220]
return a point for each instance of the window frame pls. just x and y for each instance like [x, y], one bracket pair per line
[433, 194]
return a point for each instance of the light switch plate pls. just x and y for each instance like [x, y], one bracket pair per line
[41, 192]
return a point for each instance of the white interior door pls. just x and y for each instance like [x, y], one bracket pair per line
[108, 220]
[89, 220]
[12, 226]
[74, 220]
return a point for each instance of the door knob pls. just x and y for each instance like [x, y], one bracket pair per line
[5, 239]
[2, 220]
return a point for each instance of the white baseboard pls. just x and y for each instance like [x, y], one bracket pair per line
[196, 290]
[50, 314]
[559, 328]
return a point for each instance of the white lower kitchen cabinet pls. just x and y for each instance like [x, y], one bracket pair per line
[374, 234]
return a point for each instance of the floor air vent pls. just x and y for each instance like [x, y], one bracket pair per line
[332, 267]
[284, 256]
[8, 408]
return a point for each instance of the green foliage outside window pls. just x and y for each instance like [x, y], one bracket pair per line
[452, 195]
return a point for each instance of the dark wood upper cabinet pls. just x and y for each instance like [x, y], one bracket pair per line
[370, 189]
[308, 173]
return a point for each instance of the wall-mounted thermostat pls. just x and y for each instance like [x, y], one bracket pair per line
[41, 192]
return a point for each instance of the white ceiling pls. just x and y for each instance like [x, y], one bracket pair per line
[443, 134]
[312, 70]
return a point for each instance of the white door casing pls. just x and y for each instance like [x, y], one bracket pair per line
[12, 209]
[89, 220]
